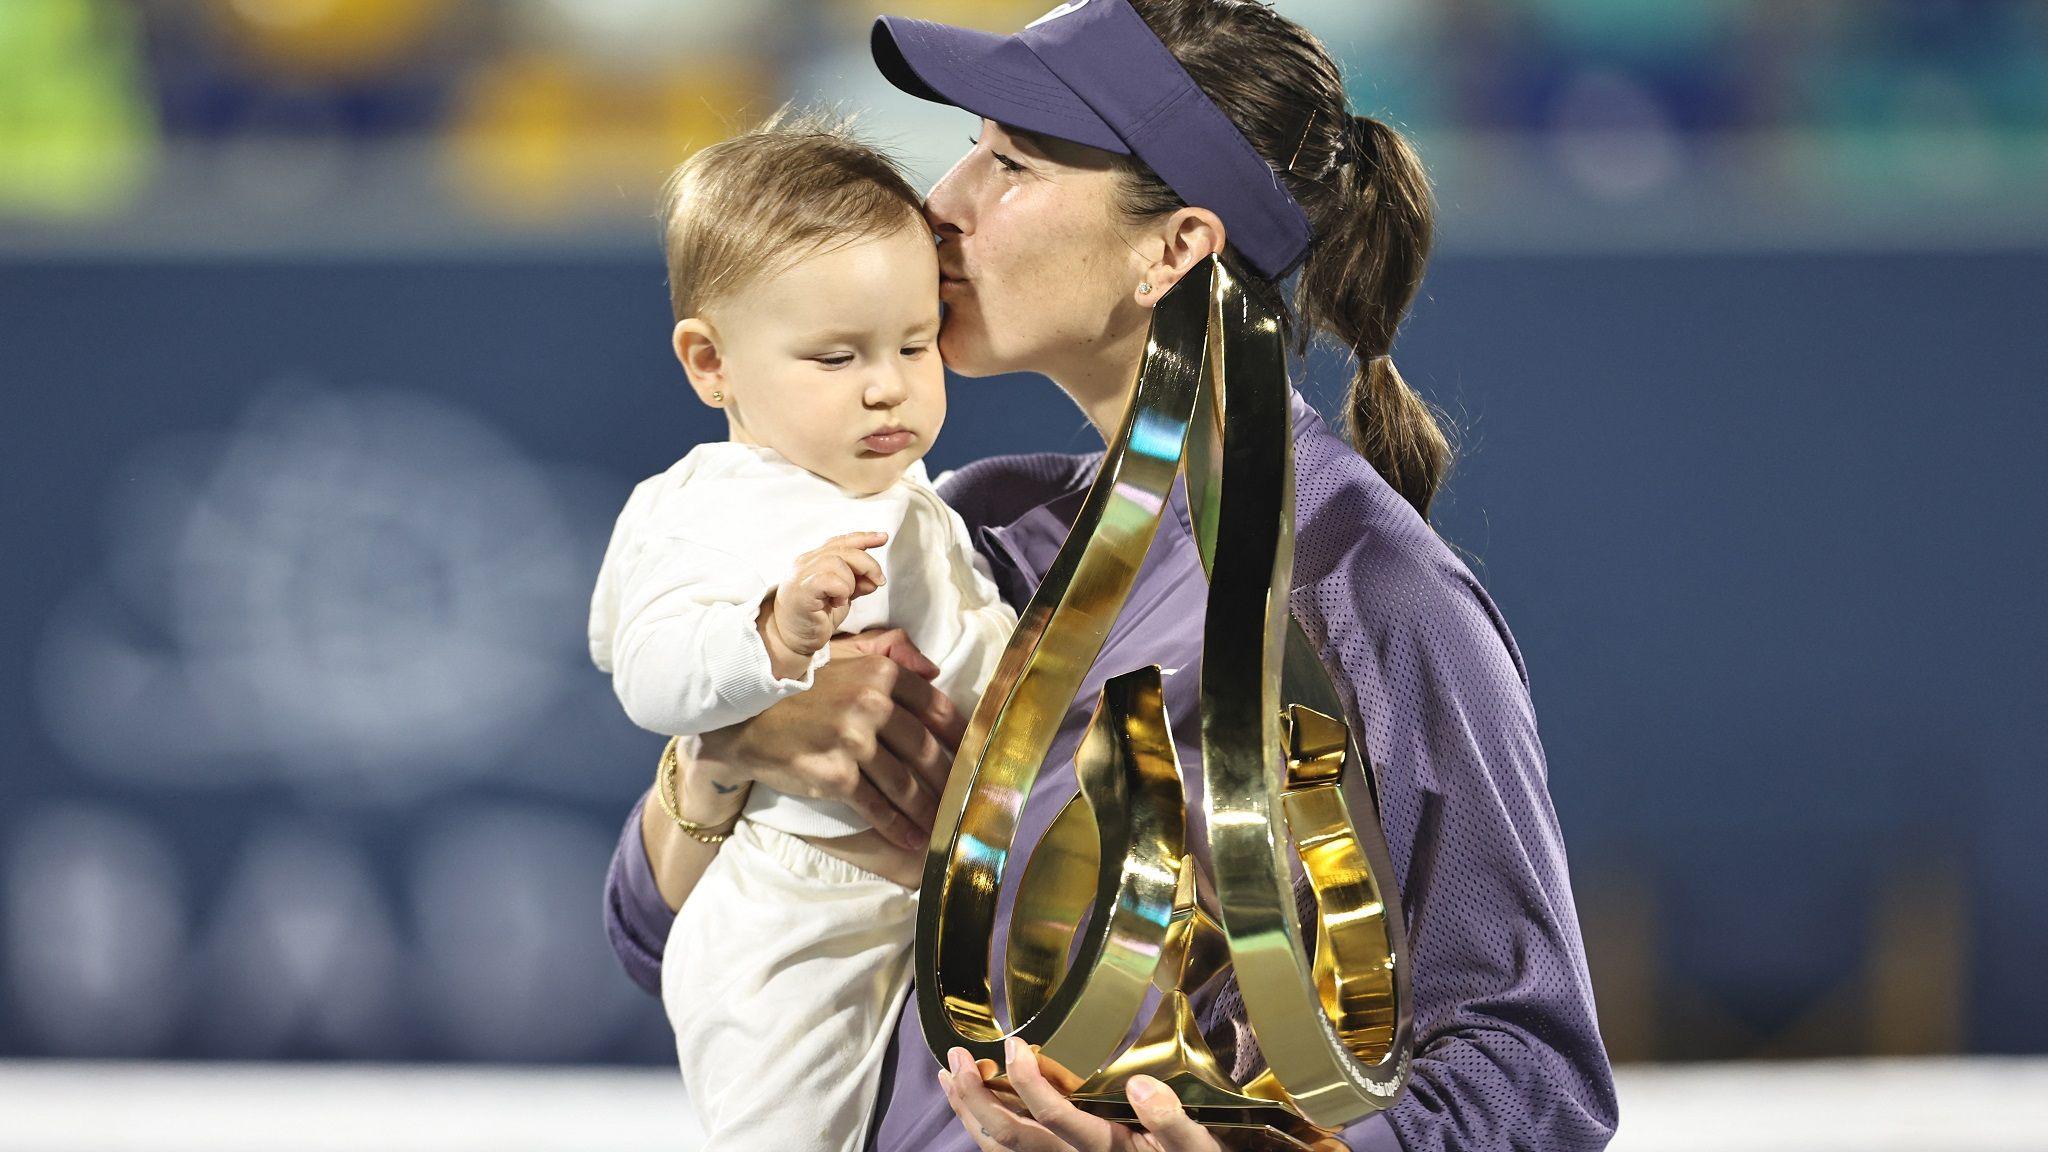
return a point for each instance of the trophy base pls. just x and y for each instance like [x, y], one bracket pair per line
[1252, 1129]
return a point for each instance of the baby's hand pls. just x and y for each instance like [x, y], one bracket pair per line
[806, 610]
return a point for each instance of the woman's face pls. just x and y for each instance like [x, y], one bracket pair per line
[1036, 269]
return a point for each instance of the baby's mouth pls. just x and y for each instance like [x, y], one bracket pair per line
[889, 441]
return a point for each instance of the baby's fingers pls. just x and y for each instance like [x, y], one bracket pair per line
[828, 585]
[846, 542]
[865, 567]
[862, 572]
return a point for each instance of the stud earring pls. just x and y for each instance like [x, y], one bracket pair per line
[1145, 289]
[718, 397]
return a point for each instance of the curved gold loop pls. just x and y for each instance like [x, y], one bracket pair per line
[1250, 800]
[1334, 1026]
[1058, 636]
[1131, 787]
[1053, 900]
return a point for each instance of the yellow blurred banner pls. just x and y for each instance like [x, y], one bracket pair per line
[330, 38]
[538, 134]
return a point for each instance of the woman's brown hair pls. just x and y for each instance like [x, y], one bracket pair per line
[1366, 196]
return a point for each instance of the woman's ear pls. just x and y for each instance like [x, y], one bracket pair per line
[1192, 235]
[696, 344]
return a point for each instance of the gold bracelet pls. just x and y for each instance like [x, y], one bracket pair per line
[664, 793]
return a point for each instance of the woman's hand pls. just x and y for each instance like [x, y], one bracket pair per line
[898, 741]
[871, 731]
[1049, 1122]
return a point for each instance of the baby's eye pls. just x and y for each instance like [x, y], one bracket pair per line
[914, 350]
[835, 360]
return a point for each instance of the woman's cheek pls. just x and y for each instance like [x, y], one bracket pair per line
[937, 407]
[956, 348]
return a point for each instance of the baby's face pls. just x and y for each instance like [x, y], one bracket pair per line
[834, 363]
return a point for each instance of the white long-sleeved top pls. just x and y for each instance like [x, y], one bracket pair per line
[697, 548]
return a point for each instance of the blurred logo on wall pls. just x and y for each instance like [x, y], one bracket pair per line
[340, 741]
[357, 594]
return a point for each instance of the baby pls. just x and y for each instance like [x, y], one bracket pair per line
[805, 286]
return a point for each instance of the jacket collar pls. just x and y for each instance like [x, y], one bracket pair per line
[1027, 545]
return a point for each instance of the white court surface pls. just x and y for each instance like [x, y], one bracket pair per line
[1936, 1105]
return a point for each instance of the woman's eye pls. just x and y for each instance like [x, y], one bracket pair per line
[1007, 163]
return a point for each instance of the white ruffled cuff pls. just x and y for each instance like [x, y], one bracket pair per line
[742, 676]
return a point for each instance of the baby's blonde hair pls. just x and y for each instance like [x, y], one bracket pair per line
[751, 206]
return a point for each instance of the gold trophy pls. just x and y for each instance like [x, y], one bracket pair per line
[1107, 908]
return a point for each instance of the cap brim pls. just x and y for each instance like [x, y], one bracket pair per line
[986, 74]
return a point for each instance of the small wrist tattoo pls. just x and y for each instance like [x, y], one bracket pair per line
[724, 789]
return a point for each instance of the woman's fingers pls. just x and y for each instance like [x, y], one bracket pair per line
[989, 1120]
[904, 735]
[1057, 1075]
[1049, 1105]
[891, 821]
[893, 643]
[905, 788]
[906, 654]
[1054, 1123]
[975, 1132]
[863, 734]
[1165, 1120]
[932, 708]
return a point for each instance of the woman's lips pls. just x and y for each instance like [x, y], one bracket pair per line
[888, 443]
[950, 284]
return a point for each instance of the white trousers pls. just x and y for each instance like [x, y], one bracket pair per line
[782, 977]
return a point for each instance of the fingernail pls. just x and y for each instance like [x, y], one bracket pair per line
[956, 1058]
[1013, 1049]
[1143, 1088]
[946, 1082]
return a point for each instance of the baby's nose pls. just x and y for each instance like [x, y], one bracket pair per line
[887, 387]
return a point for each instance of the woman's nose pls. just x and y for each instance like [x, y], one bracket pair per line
[946, 206]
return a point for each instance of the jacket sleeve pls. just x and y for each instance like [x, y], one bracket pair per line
[1507, 1051]
[636, 919]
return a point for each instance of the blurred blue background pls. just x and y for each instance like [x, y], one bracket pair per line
[335, 335]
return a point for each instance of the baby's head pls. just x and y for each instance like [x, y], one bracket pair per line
[806, 291]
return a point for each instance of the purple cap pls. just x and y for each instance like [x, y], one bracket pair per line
[1092, 71]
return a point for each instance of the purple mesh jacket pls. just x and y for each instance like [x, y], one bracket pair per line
[1507, 1051]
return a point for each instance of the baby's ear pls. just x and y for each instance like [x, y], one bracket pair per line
[696, 344]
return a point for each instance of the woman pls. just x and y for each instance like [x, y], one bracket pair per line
[1122, 143]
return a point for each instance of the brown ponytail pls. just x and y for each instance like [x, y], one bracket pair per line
[1366, 195]
[1361, 277]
